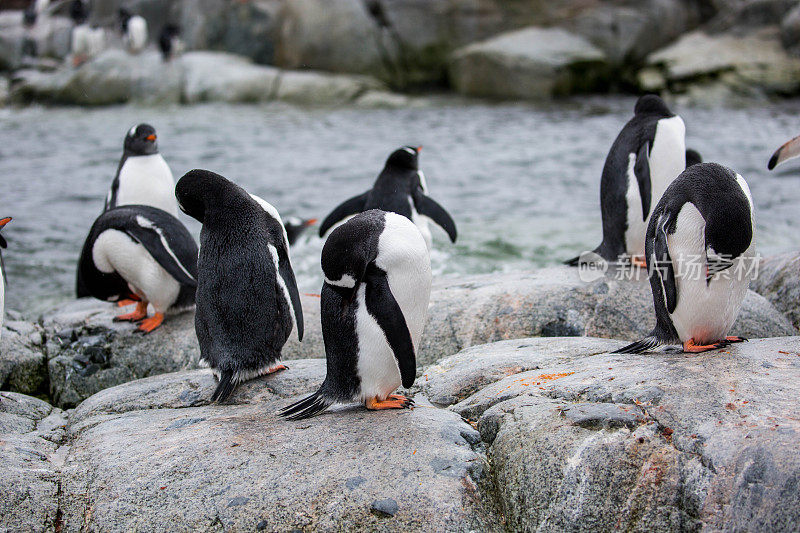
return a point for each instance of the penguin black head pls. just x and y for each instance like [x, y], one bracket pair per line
[171, 29]
[198, 189]
[124, 16]
[141, 140]
[347, 251]
[29, 17]
[3, 222]
[652, 104]
[693, 157]
[78, 12]
[406, 157]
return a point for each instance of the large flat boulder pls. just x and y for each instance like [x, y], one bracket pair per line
[579, 439]
[530, 63]
[88, 352]
[219, 76]
[153, 448]
[30, 434]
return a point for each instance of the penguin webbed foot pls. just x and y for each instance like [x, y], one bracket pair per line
[393, 401]
[137, 314]
[737, 339]
[690, 346]
[149, 324]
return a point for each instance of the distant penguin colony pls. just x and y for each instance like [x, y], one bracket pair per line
[134, 31]
[647, 155]
[400, 188]
[140, 253]
[700, 254]
[373, 307]
[247, 297]
[169, 41]
[3, 245]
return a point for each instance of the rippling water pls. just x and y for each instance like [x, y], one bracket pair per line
[521, 181]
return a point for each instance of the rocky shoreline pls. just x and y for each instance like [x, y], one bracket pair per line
[330, 52]
[544, 430]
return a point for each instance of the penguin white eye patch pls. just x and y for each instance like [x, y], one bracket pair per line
[346, 281]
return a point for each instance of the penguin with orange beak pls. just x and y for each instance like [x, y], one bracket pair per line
[3, 244]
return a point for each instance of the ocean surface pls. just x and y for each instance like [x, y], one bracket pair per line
[521, 180]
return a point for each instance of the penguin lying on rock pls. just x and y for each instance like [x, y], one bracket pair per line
[700, 254]
[373, 305]
[140, 253]
[247, 297]
[400, 188]
[647, 155]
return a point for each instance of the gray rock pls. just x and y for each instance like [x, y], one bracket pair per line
[50, 35]
[744, 16]
[751, 64]
[135, 456]
[658, 442]
[23, 366]
[778, 281]
[529, 63]
[87, 352]
[30, 434]
[790, 31]
[319, 88]
[217, 76]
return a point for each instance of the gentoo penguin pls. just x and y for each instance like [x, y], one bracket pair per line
[296, 226]
[85, 41]
[3, 245]
[373, 305]
[169, 41]
[143, 177]
[141, 253]
[693, 157]
[134, 31]
[247, 298]
[789, 150]
[700, 256]
[400, 188]
[647, 155]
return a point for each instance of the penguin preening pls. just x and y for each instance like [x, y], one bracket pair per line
[169, 41]
[789, 150]
[296, 226]
[647, 155]
[373, 305]
[140, 253]
[247, 297]
[700, 253]
[134, 31]
[3, 245]
[143, 177]
[400, 188]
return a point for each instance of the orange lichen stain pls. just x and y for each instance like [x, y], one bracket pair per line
[667, 432]
[414, 452]
[548, 377]
[730, 406]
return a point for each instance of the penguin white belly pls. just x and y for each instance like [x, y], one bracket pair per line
[422, 224]
[705, 311]
[403, 255]
[667, 156]
[147, 180]
[637, 228]
[115, 251]
[136, 37]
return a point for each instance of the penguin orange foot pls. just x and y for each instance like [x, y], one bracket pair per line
[139, 313]
[373, 404]
[401, 398]
[736, 339]
[149, 324]
[277, 368]
[690, 347]
[130, 300]
[638, 260]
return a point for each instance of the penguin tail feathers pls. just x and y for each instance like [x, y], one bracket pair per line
[224, 387]
[644, 345]
[573, 262]
[306, 408]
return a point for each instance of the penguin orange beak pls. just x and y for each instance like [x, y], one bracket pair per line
[419, 148]
[4, 221]
[311, 221]
[150, 138]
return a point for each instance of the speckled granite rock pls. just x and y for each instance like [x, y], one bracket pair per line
[23, 366]
[583, 440]
[779, 282]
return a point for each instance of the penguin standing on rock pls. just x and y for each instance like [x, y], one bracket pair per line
[295, 227]
[373, 305]
[247, 297]
[140, 253]
[134, 31]
[400, 188]
[143, 177]
[3, 245]
[169, 41]
[647, 155]
[700, 257]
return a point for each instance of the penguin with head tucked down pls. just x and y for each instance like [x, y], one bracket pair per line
[3, 245]
[143, 177]
[247, 297]
[400, 188]
[140, 253]
[647, 155]
[701, 258]
[373, 306]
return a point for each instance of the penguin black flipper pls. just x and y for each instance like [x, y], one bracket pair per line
[287, 274]
[353, 206]
[642, 171]
[111, 199]
[383, 307]
[430, 208]
[174, 255]
[662, 266]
